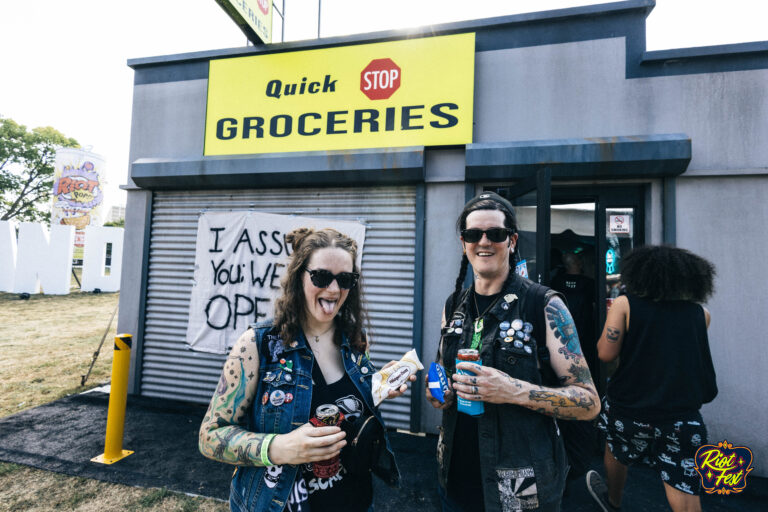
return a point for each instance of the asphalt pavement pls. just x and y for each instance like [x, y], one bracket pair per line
[63, 436]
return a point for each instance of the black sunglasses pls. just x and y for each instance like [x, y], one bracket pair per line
[323, 278]
[496, 235]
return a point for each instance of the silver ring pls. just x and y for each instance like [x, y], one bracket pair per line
[475, 391]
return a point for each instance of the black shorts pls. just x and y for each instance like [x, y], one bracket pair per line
[670, 447]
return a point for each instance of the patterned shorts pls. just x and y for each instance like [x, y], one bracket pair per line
[669, 447]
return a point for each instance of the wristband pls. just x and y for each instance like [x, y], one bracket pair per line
[265, 450]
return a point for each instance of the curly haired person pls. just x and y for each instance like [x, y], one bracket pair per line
[658, 331]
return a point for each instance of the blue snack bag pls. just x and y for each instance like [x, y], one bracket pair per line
[438, 382]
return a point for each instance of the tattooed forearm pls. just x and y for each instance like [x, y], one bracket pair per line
[568, 403]
[577, 374]
[611, 334]
[561, 323]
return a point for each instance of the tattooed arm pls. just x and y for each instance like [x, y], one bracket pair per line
[616, 323]
[577, 398]
[222, 434]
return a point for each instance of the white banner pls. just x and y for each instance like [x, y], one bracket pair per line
[240, 258]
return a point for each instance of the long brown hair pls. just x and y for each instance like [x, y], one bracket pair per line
[290, 307]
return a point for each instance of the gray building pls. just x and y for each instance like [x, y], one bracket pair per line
[602, 145]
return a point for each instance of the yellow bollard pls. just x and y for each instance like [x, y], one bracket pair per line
[118, 396]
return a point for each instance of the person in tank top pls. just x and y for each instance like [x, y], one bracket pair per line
[296, 390]
[658, 332]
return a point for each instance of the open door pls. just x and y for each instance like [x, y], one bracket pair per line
[532, 199]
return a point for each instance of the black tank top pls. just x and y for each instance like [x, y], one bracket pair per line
[665, 368]
[345, 491]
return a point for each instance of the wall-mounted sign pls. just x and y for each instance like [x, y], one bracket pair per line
[415, 92]
[620, 224]
[254, 17]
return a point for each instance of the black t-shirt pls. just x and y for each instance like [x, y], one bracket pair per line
[465, 485]
[345, 491]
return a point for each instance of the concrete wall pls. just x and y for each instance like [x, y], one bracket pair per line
[724, 219]
[579, 90]
[442, 257]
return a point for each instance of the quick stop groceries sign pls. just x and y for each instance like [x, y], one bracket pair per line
[415, 92]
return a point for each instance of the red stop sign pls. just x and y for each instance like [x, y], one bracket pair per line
[380, 79]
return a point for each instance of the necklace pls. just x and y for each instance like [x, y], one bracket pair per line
[317, 336]
[478, 332]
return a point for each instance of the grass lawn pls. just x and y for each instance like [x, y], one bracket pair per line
[47, 344]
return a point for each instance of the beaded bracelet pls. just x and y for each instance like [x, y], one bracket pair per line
[265, 450]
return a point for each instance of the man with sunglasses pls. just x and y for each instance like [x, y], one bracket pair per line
[532, 373]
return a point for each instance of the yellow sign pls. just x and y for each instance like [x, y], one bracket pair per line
[416, 92]
[254, 17]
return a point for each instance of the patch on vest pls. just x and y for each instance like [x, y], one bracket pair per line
[275, 344]
[517, 489]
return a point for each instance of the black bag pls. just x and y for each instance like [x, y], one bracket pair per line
[365, 440]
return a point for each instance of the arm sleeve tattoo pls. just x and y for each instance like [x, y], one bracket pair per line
[561, 323]
[577, 397]
[223, 436]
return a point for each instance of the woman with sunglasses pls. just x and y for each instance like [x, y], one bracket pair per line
[511, 457]
[295, 393]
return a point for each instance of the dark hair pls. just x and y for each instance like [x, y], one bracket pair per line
[483, 201]
[290, 307]
[660, 272]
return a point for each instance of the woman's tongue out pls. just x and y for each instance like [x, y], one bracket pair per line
[328, 306]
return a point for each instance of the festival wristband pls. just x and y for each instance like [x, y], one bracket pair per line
[265, 450]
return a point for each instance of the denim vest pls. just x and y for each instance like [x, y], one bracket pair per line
[260, 489]
[518, 447]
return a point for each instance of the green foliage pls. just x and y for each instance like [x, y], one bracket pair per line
[119, 223]
[26, 169]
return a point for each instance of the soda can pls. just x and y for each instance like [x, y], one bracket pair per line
[327, 415]
[471, 407]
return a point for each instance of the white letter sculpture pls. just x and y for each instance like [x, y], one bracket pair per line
[96, 240]
[7, 255]
[44, 261]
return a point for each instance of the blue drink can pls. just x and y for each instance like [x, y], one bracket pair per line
[471, 407]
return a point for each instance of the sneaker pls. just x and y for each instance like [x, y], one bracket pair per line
[599, 491]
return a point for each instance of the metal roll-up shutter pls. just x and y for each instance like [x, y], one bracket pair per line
[170, 370]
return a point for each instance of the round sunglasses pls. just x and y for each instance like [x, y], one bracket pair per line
[323, 278]
[496, 235]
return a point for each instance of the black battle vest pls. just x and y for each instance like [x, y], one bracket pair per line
[522, 459]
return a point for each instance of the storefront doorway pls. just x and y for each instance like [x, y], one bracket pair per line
[572, 238]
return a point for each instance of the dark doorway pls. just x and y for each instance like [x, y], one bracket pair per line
[572, 238]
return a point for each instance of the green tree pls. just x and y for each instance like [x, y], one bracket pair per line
[26, 169]
[119, 223]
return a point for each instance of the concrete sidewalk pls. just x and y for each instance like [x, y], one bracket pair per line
[64, 435]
